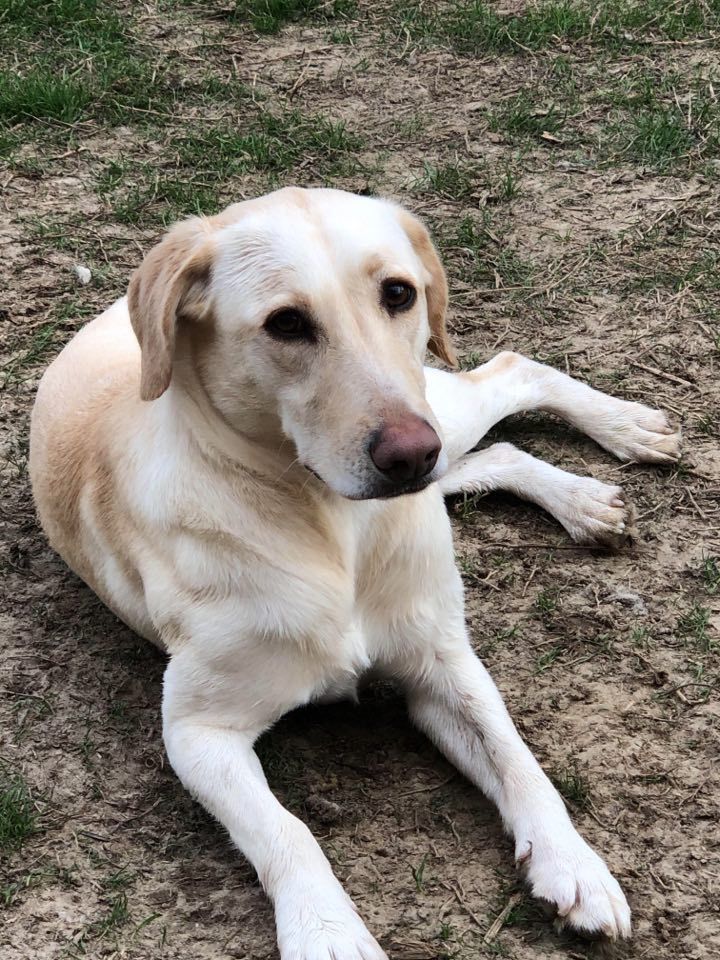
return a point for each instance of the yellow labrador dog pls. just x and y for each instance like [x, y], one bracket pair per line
[246, 460]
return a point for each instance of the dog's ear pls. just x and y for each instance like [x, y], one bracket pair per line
[436, 290]
[171, 282]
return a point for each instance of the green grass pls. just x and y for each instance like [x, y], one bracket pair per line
[572, 786]
[483, 257]
[476, 27]
[269, 16]
[454, 179]
[693, 625]
[273, 143]
[546, 660]
[42, 94]
[546, 602]
[672, 271]
[641, 115]
[117, 915]
[523, 116]
[656, 136]
[119, 880]
[205, 162]
[36, 348]
[18, 819]
[418, 874]
[710, 572]
[77, 59]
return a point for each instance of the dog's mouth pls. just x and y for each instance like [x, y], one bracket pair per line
[401, 490]
[385, 490]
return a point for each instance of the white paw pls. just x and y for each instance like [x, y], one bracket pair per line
[639, 434]
[595, 513]
[324, 928]
[566, 872]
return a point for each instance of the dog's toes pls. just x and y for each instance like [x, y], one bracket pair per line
[325, 930]
[598, 514]
[572, 877]
[644, 435]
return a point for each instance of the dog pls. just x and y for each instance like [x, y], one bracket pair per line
[246, 460]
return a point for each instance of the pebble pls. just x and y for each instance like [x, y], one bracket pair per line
[82, 274]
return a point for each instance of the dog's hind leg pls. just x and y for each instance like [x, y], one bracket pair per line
[468, 404]
[593, 513]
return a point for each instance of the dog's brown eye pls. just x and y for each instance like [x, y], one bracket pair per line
[290, 325]
[397, 295]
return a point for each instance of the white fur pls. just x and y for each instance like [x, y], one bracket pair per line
[269, 589]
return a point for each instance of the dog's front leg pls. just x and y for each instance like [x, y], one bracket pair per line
[209, 737]
[454, 700]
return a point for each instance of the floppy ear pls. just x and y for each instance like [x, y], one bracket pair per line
[171, 282]
[436, 290]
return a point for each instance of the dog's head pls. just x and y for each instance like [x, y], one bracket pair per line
[305, 315]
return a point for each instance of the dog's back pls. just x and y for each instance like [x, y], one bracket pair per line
[86, 399]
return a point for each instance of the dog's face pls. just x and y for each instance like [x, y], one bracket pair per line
[305, 316]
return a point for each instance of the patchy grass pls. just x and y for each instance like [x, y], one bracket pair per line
[484, 258]
[710, 572]
[418, 874]
[547, 602]
[269, 16]
[453, 179]
[573, 786]
[274, 143]
[522, 116]
[476, 27]
[693, 625]
[42, 95]
[661, 119]
[18, 819]
[197, 175]
[79, 60]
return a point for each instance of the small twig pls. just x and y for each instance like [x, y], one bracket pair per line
[68, 153]
[499, 921]
[646, 716]
[435, 786]
[137, 816]
[529, 579]
[301, 79]
[496, 545]
[27, 696]
[666, 376]
[694, 502]
[462, 903]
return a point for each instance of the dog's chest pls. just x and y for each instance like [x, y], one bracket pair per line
[323, 597]
[397, 572]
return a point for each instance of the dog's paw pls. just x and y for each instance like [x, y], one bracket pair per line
[325, 929]
[568, 874]
[596, 514]
[639, 434]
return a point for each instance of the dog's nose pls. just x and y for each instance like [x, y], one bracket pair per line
[405, 449]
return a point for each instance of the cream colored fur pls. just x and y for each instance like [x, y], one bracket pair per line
[215, 490]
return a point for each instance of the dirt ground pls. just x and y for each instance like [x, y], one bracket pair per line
[570, 234]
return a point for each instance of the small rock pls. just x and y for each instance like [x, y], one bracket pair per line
[82, 274]
[326, 811]
[629, 599]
